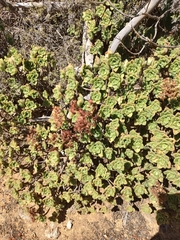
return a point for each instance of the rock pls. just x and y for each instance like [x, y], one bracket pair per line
[69, 224]
[52, 232]
[24, 215]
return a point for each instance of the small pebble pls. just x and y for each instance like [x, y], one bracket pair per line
[69, 224]
[52, 233]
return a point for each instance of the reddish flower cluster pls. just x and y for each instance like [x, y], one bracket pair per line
[170, 89]
[32, 139]
[84, 122]
[53, 139]
[58, 117]
[32, 136]
[67, 136]
[85, 119]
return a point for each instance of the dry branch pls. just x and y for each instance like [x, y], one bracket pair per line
[143, 13]
[6, 4]
[48, 4]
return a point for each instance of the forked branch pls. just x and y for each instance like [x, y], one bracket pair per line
[143, 13]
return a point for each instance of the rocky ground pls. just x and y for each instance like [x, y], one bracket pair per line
[17, 224]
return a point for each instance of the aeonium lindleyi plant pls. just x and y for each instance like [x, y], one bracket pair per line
[105, 139]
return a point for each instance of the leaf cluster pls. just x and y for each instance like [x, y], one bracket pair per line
[114, 129]
[105, 138]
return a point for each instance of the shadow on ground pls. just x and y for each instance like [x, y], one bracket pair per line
[168, 218]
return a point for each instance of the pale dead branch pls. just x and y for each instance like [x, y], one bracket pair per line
[143, 13]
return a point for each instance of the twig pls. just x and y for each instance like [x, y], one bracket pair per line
[133, 53]
[41, 4]
[148, 40]
[87, 57]
[4, 3]
[132, 24]
[41, 119]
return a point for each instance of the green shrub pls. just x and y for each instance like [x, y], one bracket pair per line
[122, 142]
[114, 130]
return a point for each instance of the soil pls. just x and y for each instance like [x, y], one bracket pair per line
[17, 224]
